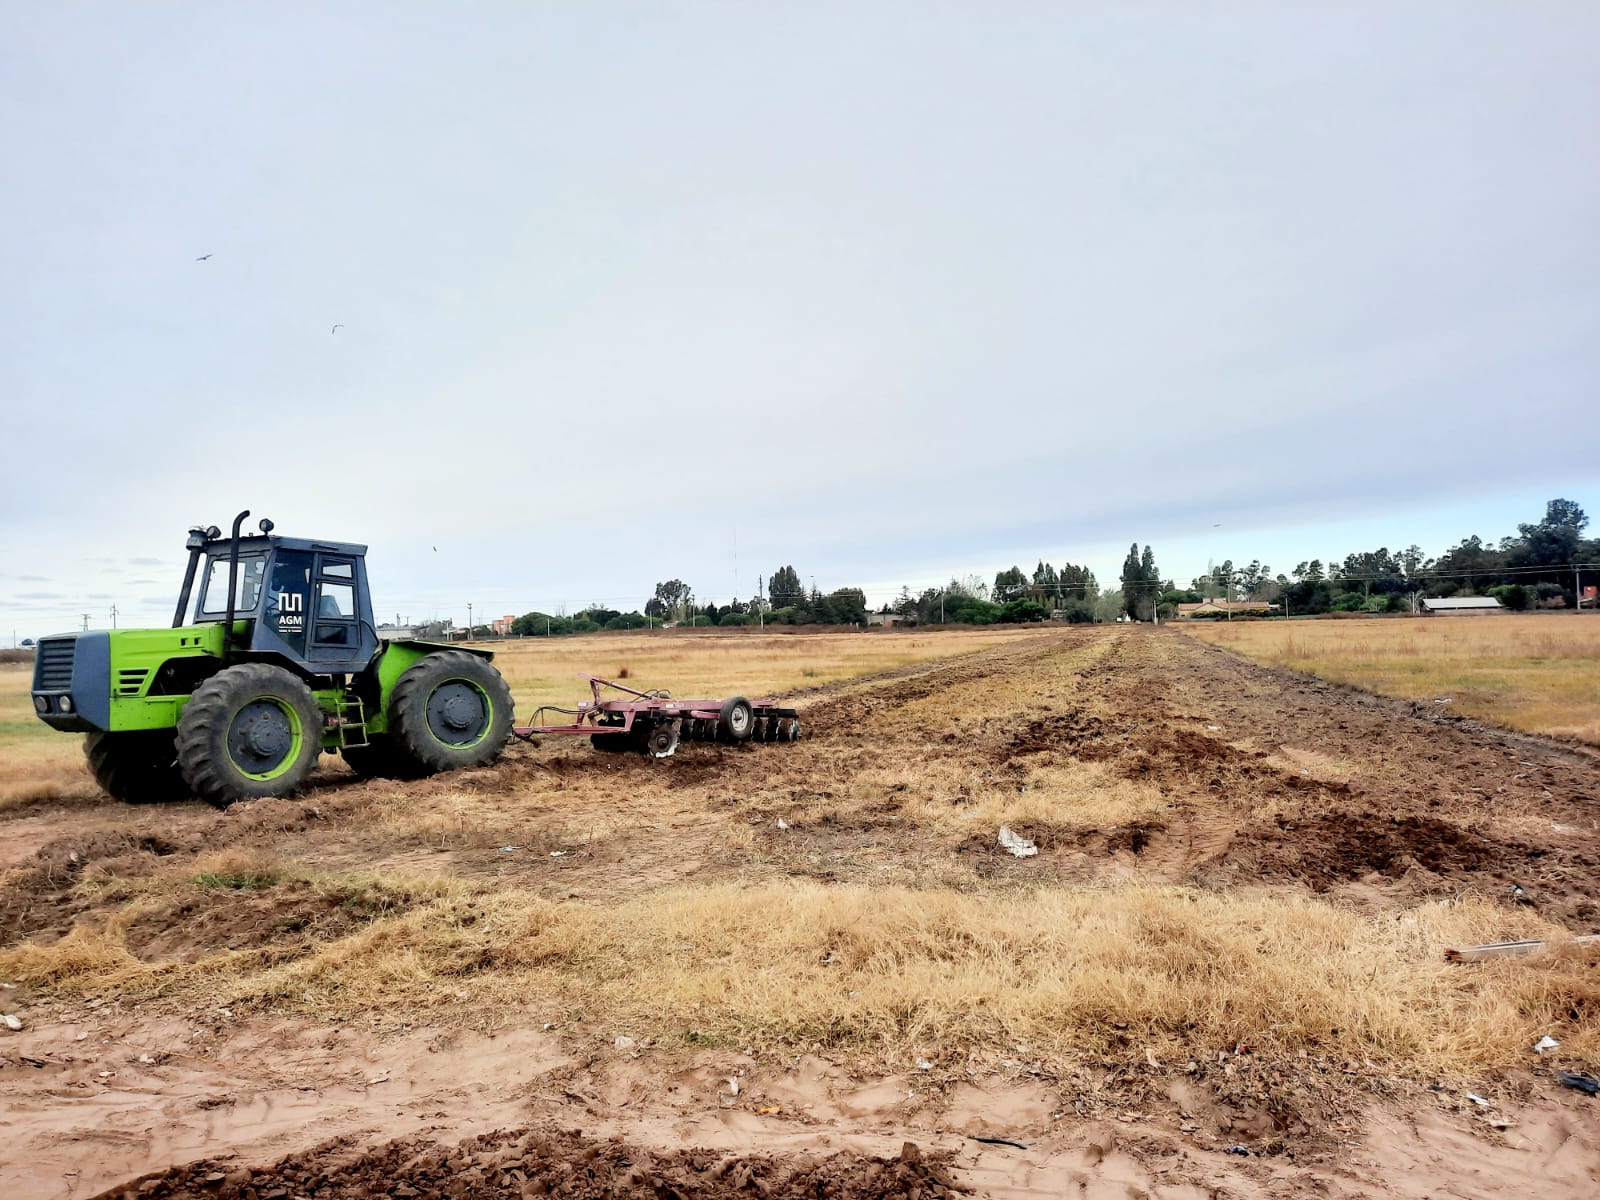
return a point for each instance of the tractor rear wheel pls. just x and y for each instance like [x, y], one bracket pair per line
[451, 710]
[138, 767]
[248, 732]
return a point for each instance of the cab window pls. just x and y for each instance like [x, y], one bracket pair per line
[247, 589]
[336, 603]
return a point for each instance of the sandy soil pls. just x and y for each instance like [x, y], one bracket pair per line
[1272, 781]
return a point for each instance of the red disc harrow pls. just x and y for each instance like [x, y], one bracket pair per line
[653, 723]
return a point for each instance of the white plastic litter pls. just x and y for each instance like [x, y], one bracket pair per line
[1546, 1043]
[12, 1023]
[782, 824]
[1477, 1099]
[1018, 845]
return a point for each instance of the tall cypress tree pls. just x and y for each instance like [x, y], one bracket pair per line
[1130, 582]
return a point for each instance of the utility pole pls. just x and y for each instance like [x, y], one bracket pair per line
[86, 622]
[941, 607]
[113, 616]
[469, 618]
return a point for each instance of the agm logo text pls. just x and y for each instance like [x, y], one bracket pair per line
[291, 610]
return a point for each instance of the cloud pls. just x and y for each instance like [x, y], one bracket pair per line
[41, 596]
[147, 562]
[33, 578]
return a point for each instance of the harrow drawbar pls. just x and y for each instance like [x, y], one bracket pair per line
[652, 722]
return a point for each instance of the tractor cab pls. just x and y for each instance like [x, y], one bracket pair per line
[303, 600]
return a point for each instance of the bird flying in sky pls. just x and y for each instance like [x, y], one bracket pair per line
[336, 329]
[202, 258]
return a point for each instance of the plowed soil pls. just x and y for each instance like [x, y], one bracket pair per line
[1261, 782]
[565, 1164]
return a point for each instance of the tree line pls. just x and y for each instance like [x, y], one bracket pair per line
[1533, 568]
[1540, 566]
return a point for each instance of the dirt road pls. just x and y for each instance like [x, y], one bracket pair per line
[1218, 775]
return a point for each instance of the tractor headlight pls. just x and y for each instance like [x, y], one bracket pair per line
[65, 702]
[41, 704]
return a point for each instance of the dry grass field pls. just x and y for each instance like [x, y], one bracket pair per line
[1232, 932]
[1538, 672]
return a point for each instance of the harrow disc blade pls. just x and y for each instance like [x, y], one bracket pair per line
[662, 741]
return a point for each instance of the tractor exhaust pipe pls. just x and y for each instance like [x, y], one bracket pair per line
[196, 543]
[233, 581]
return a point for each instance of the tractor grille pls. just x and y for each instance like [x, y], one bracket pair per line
[53, 671]
[130, 681]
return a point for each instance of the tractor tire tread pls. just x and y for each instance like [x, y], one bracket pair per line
[408, 713]
[203, 731]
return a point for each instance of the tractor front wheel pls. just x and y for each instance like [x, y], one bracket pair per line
[136, 768]
[451, 710]
[248, 732]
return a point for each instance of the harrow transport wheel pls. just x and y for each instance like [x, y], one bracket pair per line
[738, 719]
[249, 731]
[380, 758]
[137, 767]
[662, 741]
[451, 710]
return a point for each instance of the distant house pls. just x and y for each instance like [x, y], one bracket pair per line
[887, 620]
[1460, 606]
[502, 627]
[1208, 608]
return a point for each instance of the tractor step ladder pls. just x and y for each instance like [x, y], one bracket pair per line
[352, 729]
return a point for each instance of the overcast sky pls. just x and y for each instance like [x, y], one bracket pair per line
[888, 291]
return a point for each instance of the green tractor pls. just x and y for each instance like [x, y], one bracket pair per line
[278, 663]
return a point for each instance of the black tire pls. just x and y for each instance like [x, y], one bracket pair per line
[250, 731]
[451, 710]
[137, 767]
[380, 758]
[738, 720]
